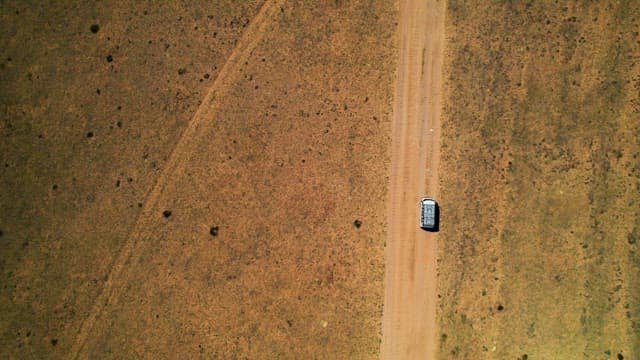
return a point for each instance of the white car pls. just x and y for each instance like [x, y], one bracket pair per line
[428, 213]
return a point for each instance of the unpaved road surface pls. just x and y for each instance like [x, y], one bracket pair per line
[409, 318]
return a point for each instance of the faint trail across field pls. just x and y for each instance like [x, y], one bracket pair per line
[185, 145]
[409, 317]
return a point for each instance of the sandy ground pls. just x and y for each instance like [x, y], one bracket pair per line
[202, 180]
[186, 145]
[409, 320]
[540, 172]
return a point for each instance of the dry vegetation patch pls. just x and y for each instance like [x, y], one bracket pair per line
[269, 241]
[540, 182]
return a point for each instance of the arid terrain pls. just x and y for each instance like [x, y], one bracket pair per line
[202, 180]
[540, 181]
[240, 180]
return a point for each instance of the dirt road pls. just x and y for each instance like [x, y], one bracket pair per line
[409, 318]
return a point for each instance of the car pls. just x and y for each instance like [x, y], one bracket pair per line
[428, 214]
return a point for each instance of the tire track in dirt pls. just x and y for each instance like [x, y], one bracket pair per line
[409, 316]
[184, 146]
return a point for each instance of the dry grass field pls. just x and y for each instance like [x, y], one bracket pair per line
[540, 181]
[93, 99]
[210, 179]
[194, 180]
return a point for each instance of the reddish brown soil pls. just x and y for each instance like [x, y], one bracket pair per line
[266, 120]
